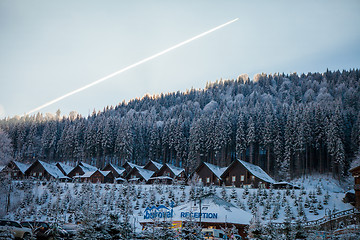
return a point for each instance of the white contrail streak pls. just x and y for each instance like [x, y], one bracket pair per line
[131, 66]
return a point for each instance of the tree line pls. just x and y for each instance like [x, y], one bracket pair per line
[288, 124]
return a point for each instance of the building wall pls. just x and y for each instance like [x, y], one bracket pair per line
[207, 177]
[242, 177]
[38, 171]
[14, 172]
[77, 171]
[97, 177]
[151, 167]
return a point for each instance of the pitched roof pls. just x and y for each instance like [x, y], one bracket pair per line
[146, 174]
[176, 170]
[257, 171]
[87, 167]
[52, 169]
[118, 169]
[67, 169]
[218, 171]
[2, 167]
[156, 164]
[22, 166]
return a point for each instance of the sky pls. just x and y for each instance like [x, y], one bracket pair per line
[50, 48]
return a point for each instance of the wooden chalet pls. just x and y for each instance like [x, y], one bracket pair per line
[42, 170]
[16, 170]
[128, 166]
[97, 176]
[65, 169]
[139, 174]
[209, 174]
[81, 169]
[116, 170]
[244, 174]
[356, 174]
[171, 171]
[153, 166]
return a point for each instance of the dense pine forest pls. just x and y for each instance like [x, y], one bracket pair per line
[288, 124]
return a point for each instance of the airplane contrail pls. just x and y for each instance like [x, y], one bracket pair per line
[131, 66]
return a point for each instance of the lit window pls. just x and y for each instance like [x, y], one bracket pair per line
[242, 178]
[207, 180]
[200, 179]
[253, 178]
[34, 174]
[40, 174]
[233, 179]
[15, 173]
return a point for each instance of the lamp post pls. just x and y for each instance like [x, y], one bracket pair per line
[328, 213]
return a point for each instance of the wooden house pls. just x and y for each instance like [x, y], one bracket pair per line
[171, 171]
[42, 170]
[153, 166]
[64, 168]
[356, 174]
[96, 177]
[116, 170]
[81, 169]
[128, 166]
[139, 174]
[16, 170]
[244, 174]
[209, 174]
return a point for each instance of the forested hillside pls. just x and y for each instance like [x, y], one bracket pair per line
[287, 124]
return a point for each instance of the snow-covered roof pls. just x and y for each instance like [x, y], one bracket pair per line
[22, 166]
[176, 170]
[132, 165]
[105, 173]
[257, 172]
[120, 179]
[87, 167]
[146, 174]
[67, 169]
[157, 165]
[2, 167]
[86, 174]
[213, 210]
[218, 171]
[161, 178]
[52, 169]
[118, 169]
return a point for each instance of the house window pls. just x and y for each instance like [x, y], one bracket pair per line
[40, 174]
[34, 174]
[200, 179]
[14, 174]
[167, 174]
[242, 178]
[233, 179]
[207, 180]
[253, 178]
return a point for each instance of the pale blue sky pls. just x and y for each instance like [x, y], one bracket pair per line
[49, 48]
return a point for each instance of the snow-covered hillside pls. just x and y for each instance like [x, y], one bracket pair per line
[74, 202]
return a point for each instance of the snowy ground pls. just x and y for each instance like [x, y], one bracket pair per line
[70, 202]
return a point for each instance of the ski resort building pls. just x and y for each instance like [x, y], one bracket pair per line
[139, 174]
[209, 211]
[209, 174]
[128, 166]
[244, 174]
[168, 170]
[96, 177]
[15, 169]
[153, 166]
[65, 169]
[42, 170]
[116, 170]
[356, 174]
[81, 169]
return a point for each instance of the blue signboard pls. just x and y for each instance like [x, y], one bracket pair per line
[158, 212]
